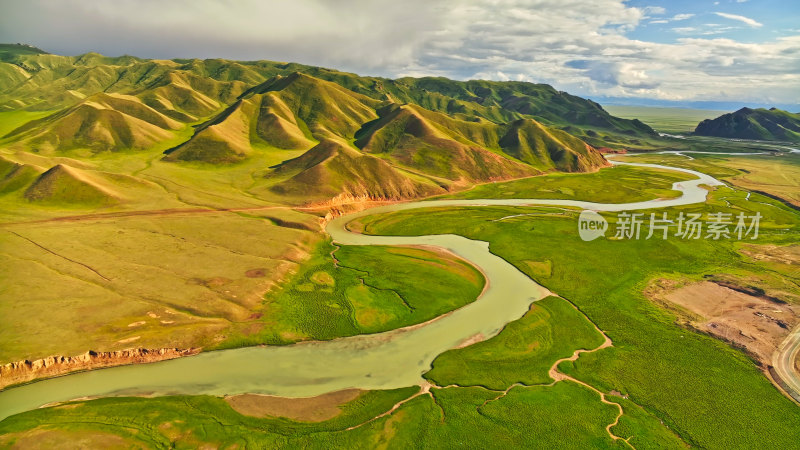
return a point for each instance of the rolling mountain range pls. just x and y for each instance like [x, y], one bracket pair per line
[331, 132]
[759, 124]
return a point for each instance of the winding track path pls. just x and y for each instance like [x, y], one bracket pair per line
[784, 362]
[379, 361]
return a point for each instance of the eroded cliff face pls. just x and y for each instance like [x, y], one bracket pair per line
[346, 204]
[24, 371]
[346, 200]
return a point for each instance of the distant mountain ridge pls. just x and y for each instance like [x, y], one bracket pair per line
[54, 80]
[758, 124]
[360, 136]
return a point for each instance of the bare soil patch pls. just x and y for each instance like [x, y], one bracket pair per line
[472, 340]
[312, 409]
[210, 283]
[256, 273]
[789, 254]
[129, 340]
[756, 324]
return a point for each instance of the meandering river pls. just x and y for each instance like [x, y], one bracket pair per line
[387, 360]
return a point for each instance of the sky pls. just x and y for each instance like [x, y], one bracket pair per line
[682, 51]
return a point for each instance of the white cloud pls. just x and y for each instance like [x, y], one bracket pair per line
[580, 46]
[658, 10]
[742, 19]
[677, 17]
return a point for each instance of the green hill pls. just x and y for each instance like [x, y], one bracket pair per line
[298, 111]
[760, 124]
[549, 148]
[9, 52]
[332, 168]
[540, 101]
[327, 109]
[435, 144]
[396, 138]
[100, 122]
[53, 82]
[67, 185]
[15, 176]
[58, 81]
[292, 112]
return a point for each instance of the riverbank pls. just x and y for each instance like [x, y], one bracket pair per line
[20, 372]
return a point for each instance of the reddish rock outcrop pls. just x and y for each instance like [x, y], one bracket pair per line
[24, 371]
[612, 151]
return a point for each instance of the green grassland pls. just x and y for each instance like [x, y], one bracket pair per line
[523, 353]
[123, 289]
[355, 290]
[563, 415]
[192, 421]
[673, 378]
[711, 394]
[221, 305]
[171, 280]
[715, 144]
[9, 120]
[123, 249]
[618, 184]
[642, 429]
[139, 198]
[774, 174]
[665, 120]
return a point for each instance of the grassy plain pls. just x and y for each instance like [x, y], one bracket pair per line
[618, 184]
[563, 415]
[672, 378]
[190, 421]
[121, 288]
[711, 394]
[177, 280]
[665, 120]
[155, 287]
[354, 290]
[152, 254]
[9, 120]
[523, 353]
[158, 254]
[774, 174]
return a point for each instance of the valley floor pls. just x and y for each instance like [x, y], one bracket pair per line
[535, 383]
